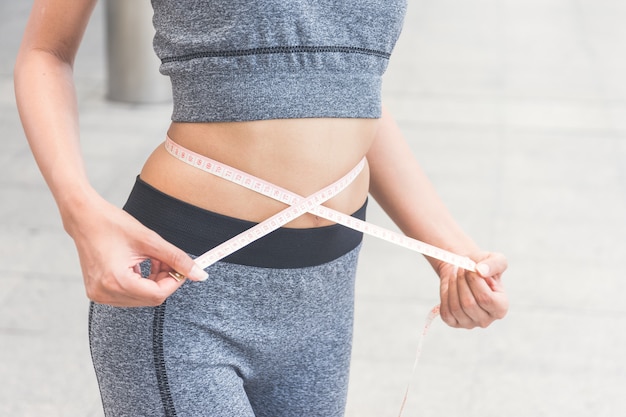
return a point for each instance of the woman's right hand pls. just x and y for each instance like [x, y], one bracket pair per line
[111, 244]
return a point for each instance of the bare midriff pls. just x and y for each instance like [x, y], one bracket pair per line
[301, 155]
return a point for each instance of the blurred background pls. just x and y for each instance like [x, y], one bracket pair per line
[517, 111]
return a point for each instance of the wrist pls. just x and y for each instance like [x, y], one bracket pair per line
[75, 204]
[468, 251]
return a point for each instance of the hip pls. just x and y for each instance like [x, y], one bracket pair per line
[196, 231]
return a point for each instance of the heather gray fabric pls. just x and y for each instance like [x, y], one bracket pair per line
[255, 59]
[247, 342]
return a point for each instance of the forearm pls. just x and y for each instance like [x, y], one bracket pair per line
[46, 97]
[403, 190]
[46, 102]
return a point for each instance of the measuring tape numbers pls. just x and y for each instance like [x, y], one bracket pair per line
[287, 197]
[298, 205]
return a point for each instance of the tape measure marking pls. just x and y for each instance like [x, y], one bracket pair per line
[287, 197]
[299, 205]
[296, 209]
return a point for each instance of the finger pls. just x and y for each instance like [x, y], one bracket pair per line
[444, 308]
[138, 291]
[175, 258]
[494, 303]
[492, 266]
[456, 294]
[494, 284]
[131, 288]
[155, 267]
[159, 271]
[454, 301]
[469, 296]
[491, 297]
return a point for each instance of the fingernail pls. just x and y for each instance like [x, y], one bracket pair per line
[483, 269]
[198, 274]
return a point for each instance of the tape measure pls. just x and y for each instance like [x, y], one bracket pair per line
[299, 205]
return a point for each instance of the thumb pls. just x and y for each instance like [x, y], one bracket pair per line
[492, 266]
[179, 261]
[184, 266]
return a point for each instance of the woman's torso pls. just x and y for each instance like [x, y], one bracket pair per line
[287, 90]
[301, 155]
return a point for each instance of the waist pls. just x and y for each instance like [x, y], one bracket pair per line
[300, 155]
[196, 231]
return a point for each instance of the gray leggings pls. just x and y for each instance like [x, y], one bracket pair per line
[249, 341]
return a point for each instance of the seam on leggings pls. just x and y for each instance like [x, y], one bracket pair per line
[159, 361]
[89, 332]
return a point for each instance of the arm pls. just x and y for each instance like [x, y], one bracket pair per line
[468, 299]
[110, 243]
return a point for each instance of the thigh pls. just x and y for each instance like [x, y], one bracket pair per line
[311, 381]
[142, 372]
[303, 362]
[122, 355]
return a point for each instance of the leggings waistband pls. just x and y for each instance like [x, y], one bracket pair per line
[196, 231]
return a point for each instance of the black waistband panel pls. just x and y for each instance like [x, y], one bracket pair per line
[196, 231]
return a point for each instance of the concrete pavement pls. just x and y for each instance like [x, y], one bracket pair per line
[517, 111]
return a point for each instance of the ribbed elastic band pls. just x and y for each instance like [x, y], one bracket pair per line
[196, 231]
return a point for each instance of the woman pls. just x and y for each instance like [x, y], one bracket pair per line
[288, 91]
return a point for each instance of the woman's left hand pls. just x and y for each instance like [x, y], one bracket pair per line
[473, 299]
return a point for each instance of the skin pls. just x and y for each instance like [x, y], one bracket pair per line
[302, 155]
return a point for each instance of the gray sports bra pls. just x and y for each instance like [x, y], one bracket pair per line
[233, 60]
